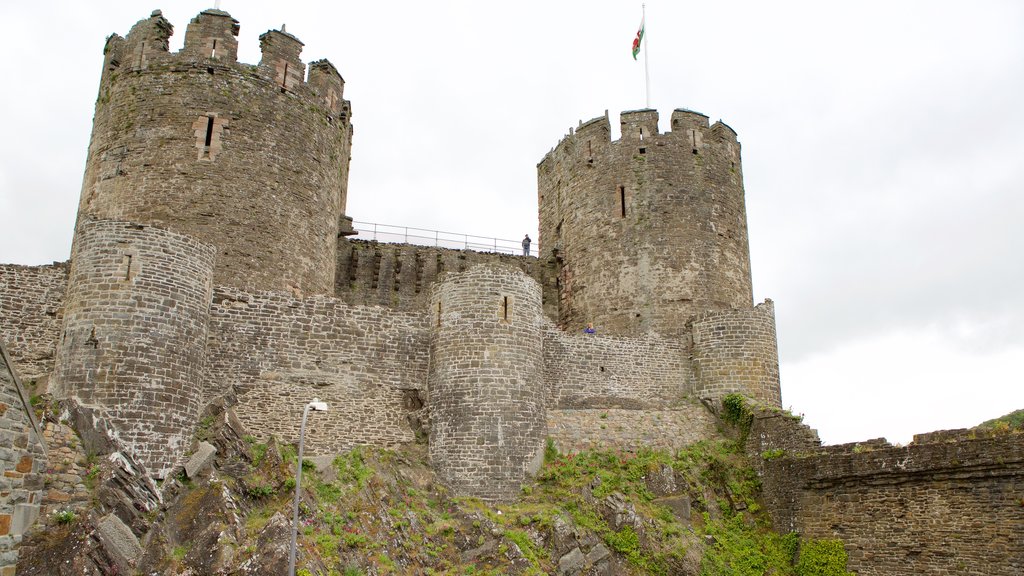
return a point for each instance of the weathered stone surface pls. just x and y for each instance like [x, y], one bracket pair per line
[200, 459]
[572, 562]
[486, 394]
[134, 334]
[22, 461]
[31, 300]
[647, 230]
[119, 542]
[948, 503]
[250, 159]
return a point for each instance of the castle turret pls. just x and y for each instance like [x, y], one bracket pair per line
[648, 230]
[735, 351]
[134, 333]
[251, 159]
[486, 392]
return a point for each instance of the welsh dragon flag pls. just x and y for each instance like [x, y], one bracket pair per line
[639, 37]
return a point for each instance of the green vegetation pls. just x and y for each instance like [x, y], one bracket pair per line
[822, 558]
[1012, 421]
[377, 512]
[65, 517]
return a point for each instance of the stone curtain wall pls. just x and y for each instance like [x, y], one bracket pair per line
[610, 428]
[31, 302]
[278, 352]
[400, 275]
[134, 334]
[598, 371]
[649, 229]
[487, 405]
[736, 351]
[250, 159]
[22, 464]
[950, 503]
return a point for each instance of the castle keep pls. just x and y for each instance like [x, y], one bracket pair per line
[211, 260]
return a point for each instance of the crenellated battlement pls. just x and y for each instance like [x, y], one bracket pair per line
[639, 128]
[211, 44]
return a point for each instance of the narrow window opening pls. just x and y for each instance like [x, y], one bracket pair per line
[643, 150]
[128, 267]
[209, 130]
[284, 77]
[209, 70]
[622, 200]
[142, 53]
[504, 308]
[590, 150]
[641, 134]
[438, 313]
[213, 54]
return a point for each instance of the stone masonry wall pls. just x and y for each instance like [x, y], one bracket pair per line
[31, 302]
[134, 334]
[950, 503]
[251, 159]
[598, 371]
[647, 230]
[400, 275]
[487, 401]
[672, 429]
[277, 352]
[736, 351]
[22, 464]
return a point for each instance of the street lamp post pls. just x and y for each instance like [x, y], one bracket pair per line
[316, 404]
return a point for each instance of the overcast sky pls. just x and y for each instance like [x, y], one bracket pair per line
[883, 156]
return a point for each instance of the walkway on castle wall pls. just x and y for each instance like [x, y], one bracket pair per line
[423, 237]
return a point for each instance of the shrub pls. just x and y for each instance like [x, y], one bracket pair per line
[822, 558]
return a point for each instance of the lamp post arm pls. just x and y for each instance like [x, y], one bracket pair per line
[298, 488]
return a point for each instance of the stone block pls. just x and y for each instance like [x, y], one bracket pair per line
[5, 524]
[571, 563]
[119, 542]
[25, 515]
[202, 458]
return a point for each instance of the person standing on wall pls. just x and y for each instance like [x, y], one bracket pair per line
[526, 245]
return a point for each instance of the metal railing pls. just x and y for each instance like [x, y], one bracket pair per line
[423, 237]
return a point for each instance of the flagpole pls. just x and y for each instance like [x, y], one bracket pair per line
[647, 74]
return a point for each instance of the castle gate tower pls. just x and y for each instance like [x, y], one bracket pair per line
[485, 384]
[134, 333]
[251, 159]
[648, 230]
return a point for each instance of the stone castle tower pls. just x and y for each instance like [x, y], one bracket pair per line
[649, 233]
[250, 159]
[194, 178]
[649, 230]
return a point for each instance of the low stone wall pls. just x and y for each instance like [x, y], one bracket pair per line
[575, 430]
[277, 353]
[31, 301]
[948, 503]
[596, 371]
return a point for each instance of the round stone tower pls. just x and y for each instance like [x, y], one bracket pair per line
[134, 333]
[736, 351]
[251, 159]
[485, 382]
[648, 230]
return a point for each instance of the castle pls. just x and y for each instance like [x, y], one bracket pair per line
[211, 259]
